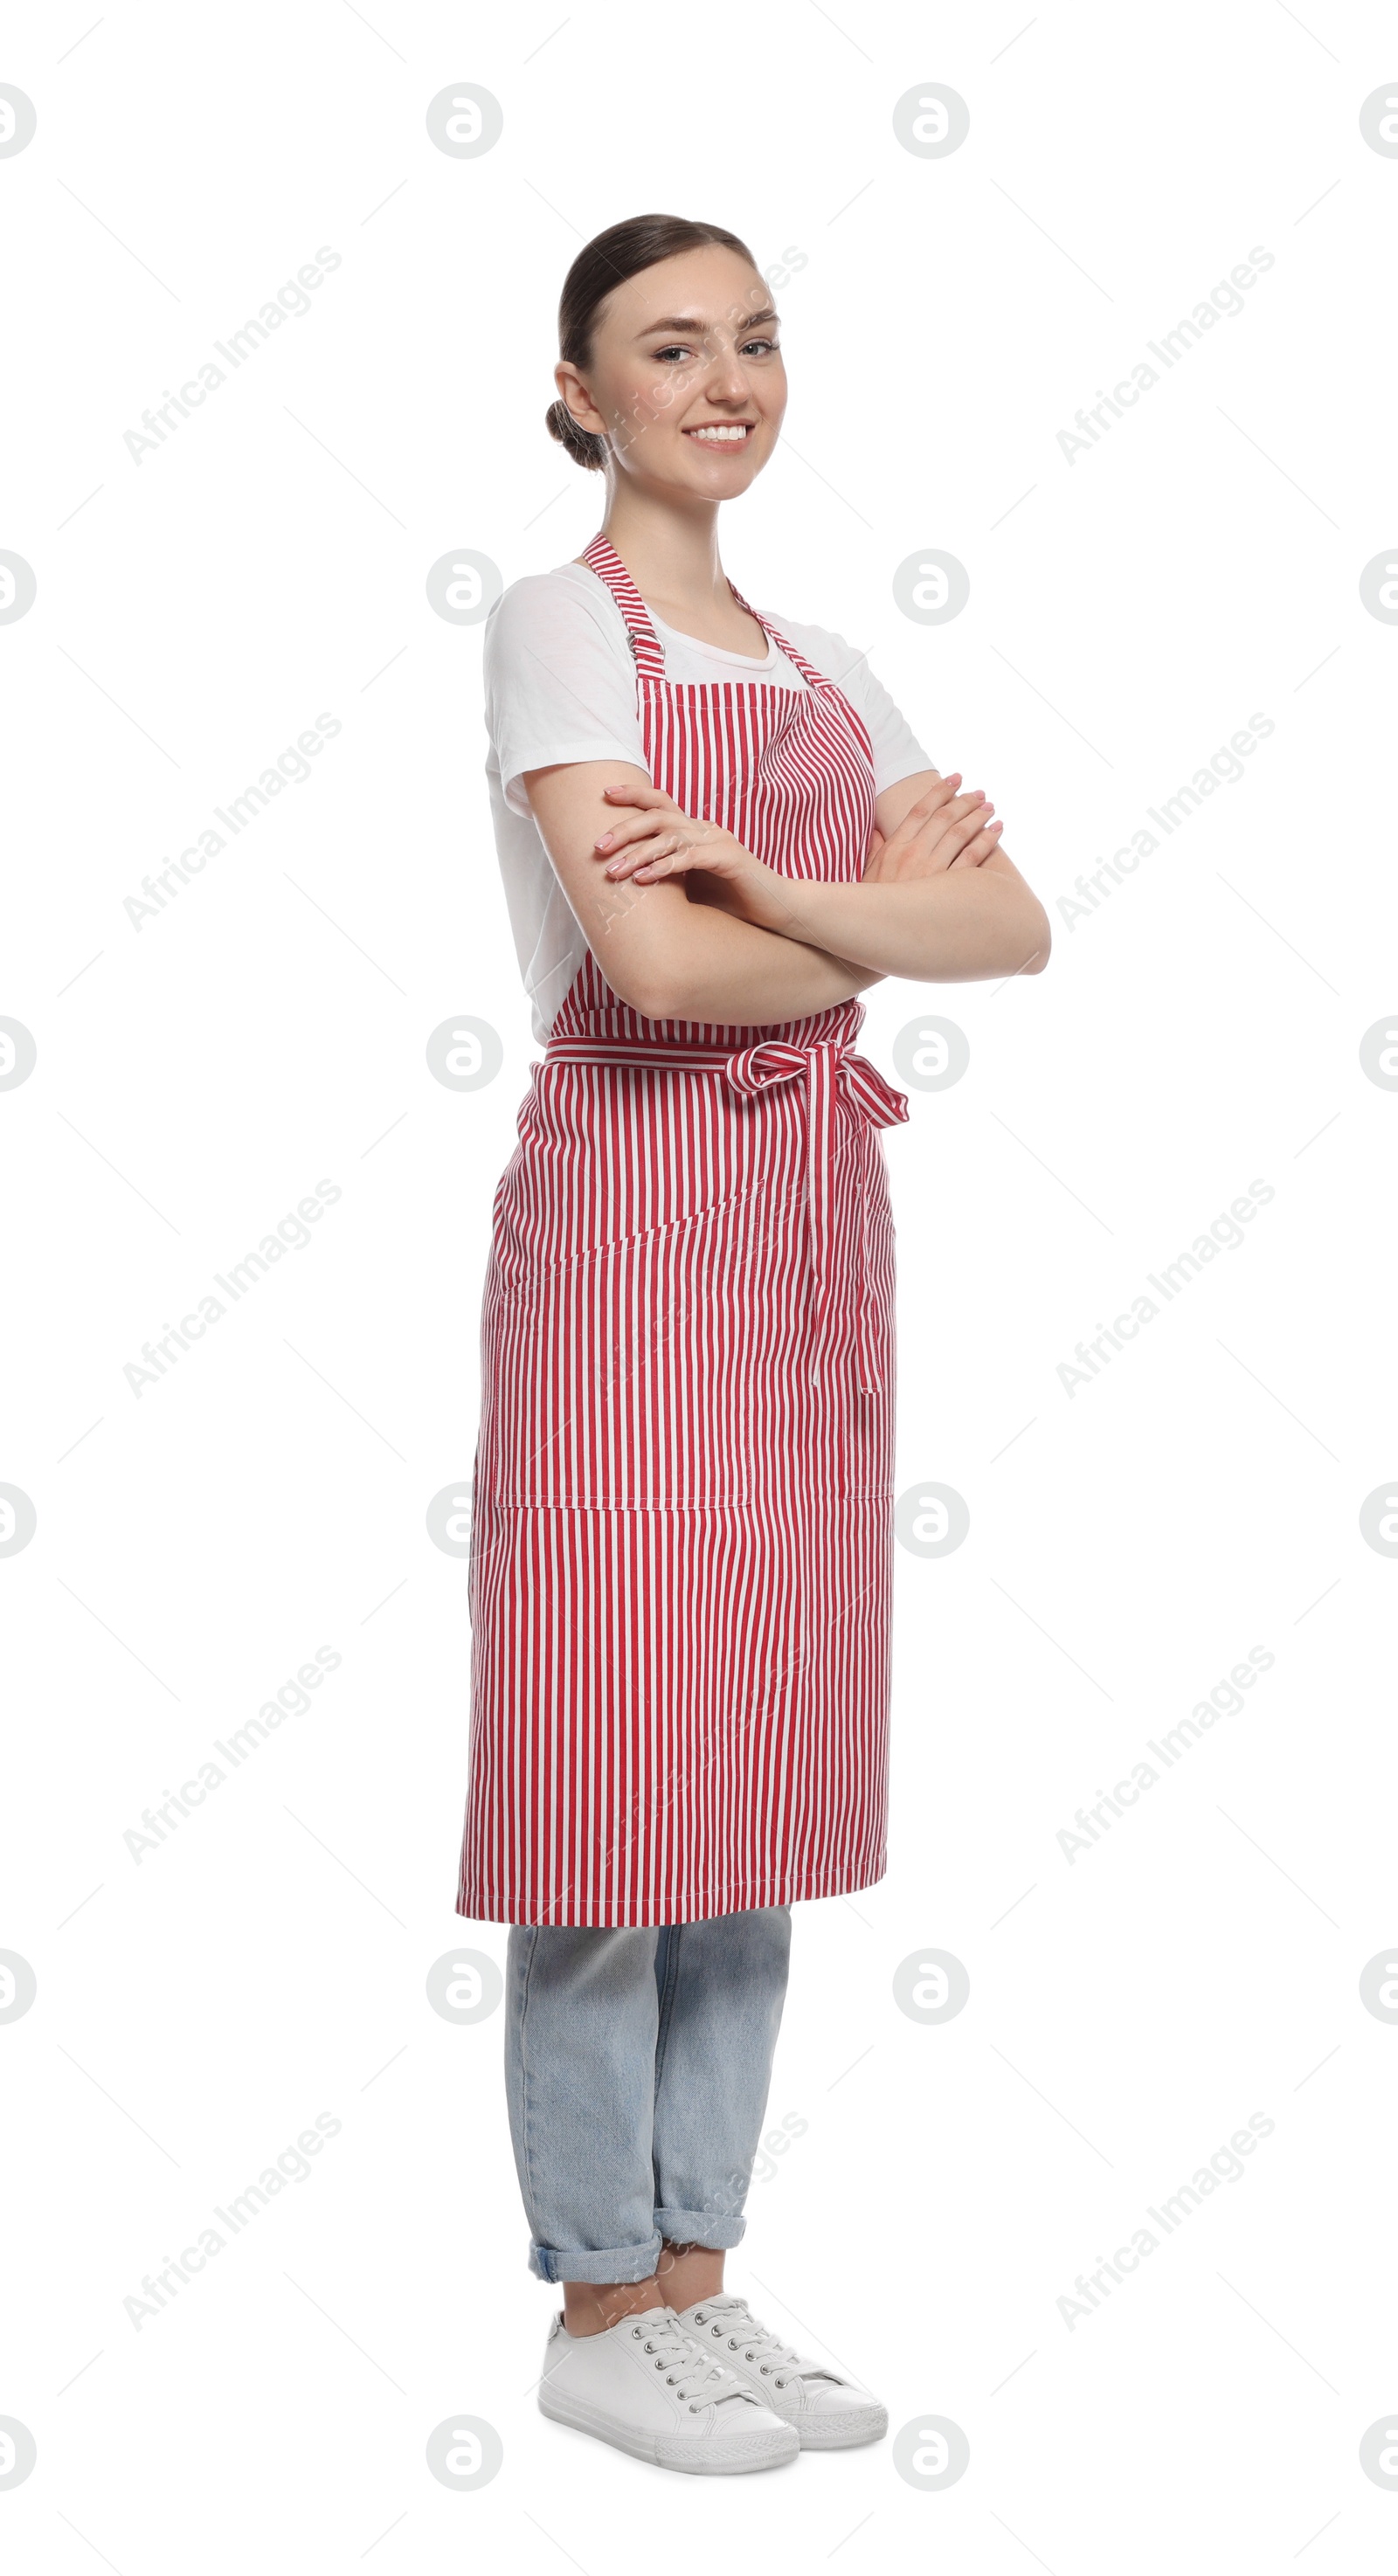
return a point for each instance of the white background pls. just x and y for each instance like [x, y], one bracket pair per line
[1128, 1544]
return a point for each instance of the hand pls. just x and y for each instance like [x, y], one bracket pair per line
[942, 830]
[656, 841]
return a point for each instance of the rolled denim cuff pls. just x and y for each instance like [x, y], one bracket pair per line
[621, 2263]
[700, 2227]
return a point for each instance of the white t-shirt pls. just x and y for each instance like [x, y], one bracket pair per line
[560, 684]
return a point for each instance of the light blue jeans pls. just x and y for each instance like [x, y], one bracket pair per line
[637, 2066]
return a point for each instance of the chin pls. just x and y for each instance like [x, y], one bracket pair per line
[733, 472]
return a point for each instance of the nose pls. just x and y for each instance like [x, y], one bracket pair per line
[725, 379]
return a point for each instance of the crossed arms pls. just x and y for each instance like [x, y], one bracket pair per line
[686, 924]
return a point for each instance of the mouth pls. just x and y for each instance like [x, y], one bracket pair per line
[727, 434]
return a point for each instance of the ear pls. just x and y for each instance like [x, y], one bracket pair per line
[579, 401]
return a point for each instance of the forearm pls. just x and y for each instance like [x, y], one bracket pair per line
[703, 963]
[953, 927]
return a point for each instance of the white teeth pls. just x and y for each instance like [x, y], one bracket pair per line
[729, 437]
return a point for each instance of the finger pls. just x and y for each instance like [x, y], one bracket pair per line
[629, 862]
[631, 792]
[941, 845]
[633, 827]
[948, 811]
[670, 860]
[935, 797]
[680, 856]
[980, 848]
[974, 809]
[923, 825]
[967, 838]
[935, 834]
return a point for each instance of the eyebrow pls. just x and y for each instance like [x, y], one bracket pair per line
[693, 322]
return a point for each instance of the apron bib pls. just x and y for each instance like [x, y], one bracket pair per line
[680, 1577]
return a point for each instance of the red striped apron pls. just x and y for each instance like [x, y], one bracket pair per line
[681, 1535]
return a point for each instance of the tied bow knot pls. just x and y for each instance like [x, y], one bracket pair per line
[830, 1070]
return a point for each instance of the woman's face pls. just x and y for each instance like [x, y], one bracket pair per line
[686, 379]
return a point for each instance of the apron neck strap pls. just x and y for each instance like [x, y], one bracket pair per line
[813, 678]
[602, 558]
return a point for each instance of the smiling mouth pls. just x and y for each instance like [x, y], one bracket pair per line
[728, 433]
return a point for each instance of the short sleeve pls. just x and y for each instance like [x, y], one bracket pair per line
[897, 751]
[560, 682]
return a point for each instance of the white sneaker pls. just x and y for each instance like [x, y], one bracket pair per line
[829, 2411]
[645, 2386]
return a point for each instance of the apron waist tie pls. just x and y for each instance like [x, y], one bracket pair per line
[828, 1067]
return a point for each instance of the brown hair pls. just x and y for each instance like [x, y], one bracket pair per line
[620, 252]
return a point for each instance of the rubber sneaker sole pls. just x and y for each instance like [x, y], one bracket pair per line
[844, 2431]
[734, 2456]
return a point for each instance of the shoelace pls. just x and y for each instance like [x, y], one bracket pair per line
[755, 2341]
[694, 2377]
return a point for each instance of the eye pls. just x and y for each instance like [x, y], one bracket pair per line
[676, 351]
[762, 348]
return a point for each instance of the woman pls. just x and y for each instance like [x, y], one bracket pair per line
[715, 832]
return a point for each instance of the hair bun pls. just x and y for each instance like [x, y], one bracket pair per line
[583, 446]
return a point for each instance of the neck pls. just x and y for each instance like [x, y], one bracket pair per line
[670, 549]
